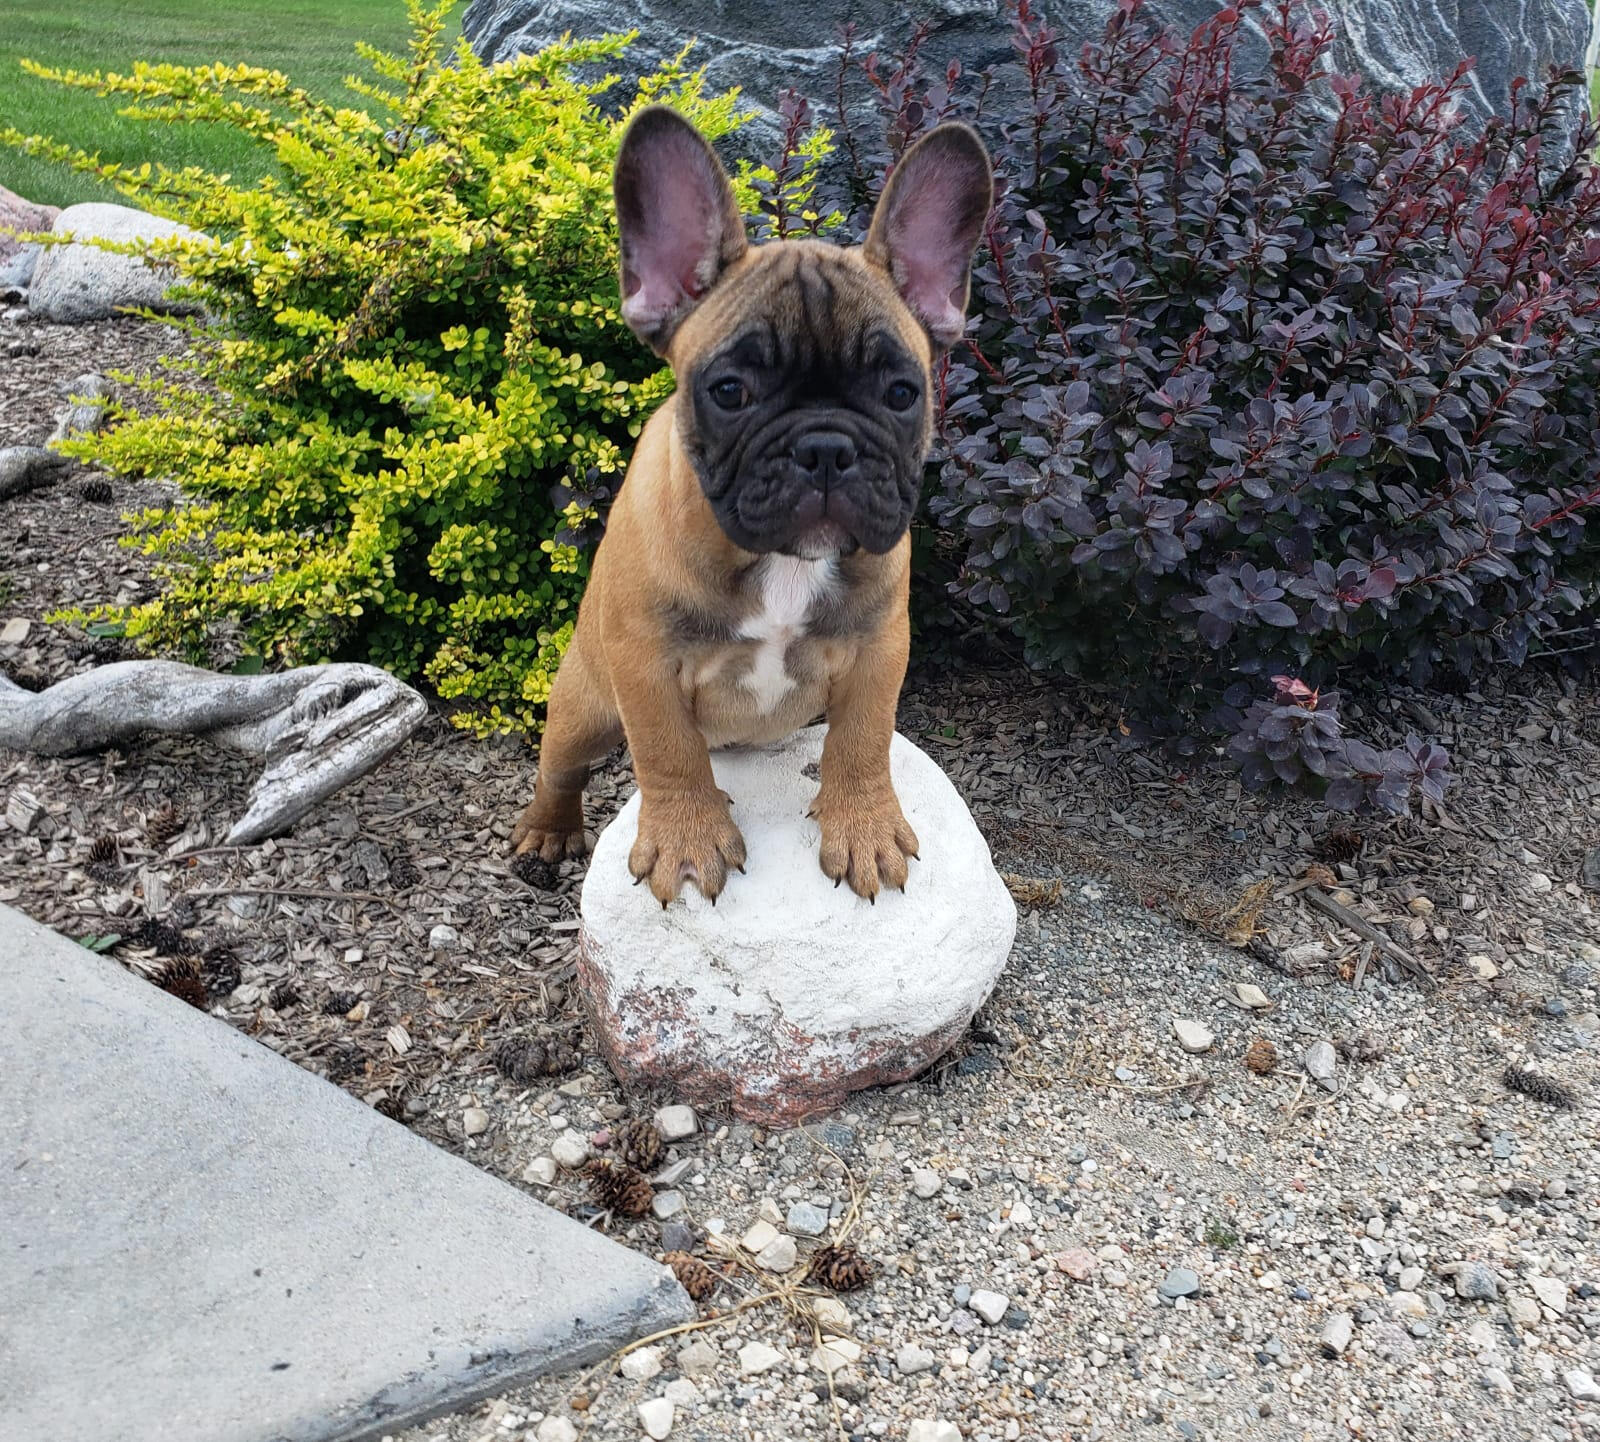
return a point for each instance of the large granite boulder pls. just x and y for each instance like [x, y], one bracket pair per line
[764, 46]
[82, 281]
[17, 218]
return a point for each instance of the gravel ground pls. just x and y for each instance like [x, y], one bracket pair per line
[1083, 1157]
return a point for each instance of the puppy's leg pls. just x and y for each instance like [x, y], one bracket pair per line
[581, 726]
[865, 836]
[685, 830]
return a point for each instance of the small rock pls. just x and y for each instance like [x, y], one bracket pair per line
[443, 938]
[681, 1392]
[1551, 1292]
[1480, 1335]
[1523, 1310]
[666, 1204]
[673, 1173]
[571, 1149]
[541, 1171]
[1336, 1333]
[655, 1416]
[698, 1359]
[676, 1123]
[555, 1429]
[991, 1306]
[805, 1220]
[926, 1183]
[15, 631]
[1192, 1037]
[677, 1236]
[1076, 1263]
[1476, 1282]
[1410, 1278]
[760, 1235]
[832, 1316]
[1482, 967]
[779, 1255]
[756, 1358]
[836, 1353]
[1319, 1061]
[474, 1121]
[641, 1364]
[1407, 1304]
[911, 1359]
[1495, 1380]
[1580, 1382]
[1179, 1282]
[1539, 883]
[928, 1429]
[1252, 996]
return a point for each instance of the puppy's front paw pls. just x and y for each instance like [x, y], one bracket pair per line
[865, 841]
[688, 838]
[551, 831]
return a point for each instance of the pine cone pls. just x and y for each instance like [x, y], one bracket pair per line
[1340, 844]
[183, 979]
[639, 1144]
[340, 1002]
[403, 873]
[97, 490]
[524, 1062]
[159, 936]
[1540, 1087]
[102, 864]
[283, 996]
[222, 972]
[843, 1269]
[697, 1279]
[620, 1187]
[533, 869]
[163, 825]
[1261, 1056]
[344, 1062]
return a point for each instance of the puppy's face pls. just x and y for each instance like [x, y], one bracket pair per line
[804, 369]
[807, 416]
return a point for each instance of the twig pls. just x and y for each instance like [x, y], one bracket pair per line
[1365, 929]
[1362, 964]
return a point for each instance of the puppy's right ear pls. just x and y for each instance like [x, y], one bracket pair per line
[678, 222]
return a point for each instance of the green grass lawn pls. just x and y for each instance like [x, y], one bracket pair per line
[312, 41]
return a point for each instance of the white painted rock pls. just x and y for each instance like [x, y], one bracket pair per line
[80, 282]
[790, 993]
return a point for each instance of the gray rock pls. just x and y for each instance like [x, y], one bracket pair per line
[666, 1204]
[1581, 1383]
[1179, 1282]
[1336, 1333]
[1319, 1061]
[912, 1359]
[26, 468]
[805, 1220]
[271, 1255]
[1476, 1282]
[655, 1418]
[926, 1183]
[765, 46]
[991, 1306]
[16, 271]
[88, 400]
[76, 282]
[1192, 1036]
[677, 1122]
[19, 216]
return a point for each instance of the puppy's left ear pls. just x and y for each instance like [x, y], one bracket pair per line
[927, 225]
[678, 222]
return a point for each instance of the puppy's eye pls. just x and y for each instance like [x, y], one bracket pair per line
[730, 394]
[900, 396]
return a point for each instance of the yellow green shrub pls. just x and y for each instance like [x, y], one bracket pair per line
[412, 386]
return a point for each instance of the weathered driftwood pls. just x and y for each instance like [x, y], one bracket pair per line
[317, 727]
[26, 468]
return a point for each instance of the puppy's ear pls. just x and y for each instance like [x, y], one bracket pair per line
[677, 219]
[927, 225]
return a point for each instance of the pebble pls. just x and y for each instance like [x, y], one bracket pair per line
[474, 1121]
[697, 1359]
[991, 1306]
[756, 1358]
[929, 1429]
[655, 1416]
[1580, 1382]
[1539, 883]
[1496, 1380]
[1192, 1036]
[1252, 996]
[1551, 1292]
[681, 1392]
[835, 1353]
[641, 1364]
[1336, 1333]
[1076, 1263]
[1179, 1282]
[541, 1171]
[1482, 966]
[555, 1429]
[925, 1183]
[676, 1123]
[443, 938]
[1476, 1282]
[664, 1205]
[1523, 1310]
[912, 1359]
[832, 1316]
[805, 1220]
[760, 1235]
[1410, 1278]
[779, 1255]
[674, 1172]
[1319, 1061]
[571, 1149]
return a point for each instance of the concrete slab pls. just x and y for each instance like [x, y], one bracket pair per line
[199, 1239]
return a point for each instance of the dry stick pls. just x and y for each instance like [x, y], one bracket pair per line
[1365, 929]
[1365, 961]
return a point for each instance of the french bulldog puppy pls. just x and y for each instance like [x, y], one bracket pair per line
[755, 569]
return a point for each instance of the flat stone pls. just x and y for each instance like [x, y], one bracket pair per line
[926, 1183]
[1179, 1282]
[1319, 1061]
[832, 1316]
[1252, 996]
[641, 1364]
[1077, 1263]
[15, 631]
[655, 1417]
[1523, 1310]
[1551, 1292]
[791, 993]
[309, 1269]
[1476, 1282]
[698, 1359]
[991, 1306]
[571, 1149]
[806, 1220]
[760, 1235]
[80, 281]
[1580, 1382]
[835, 1353]
[1337, 1333]
[541, 1171]
[1406, 1304]
[555, 1429]
[677, 1122]
[756, 1358]
[1192, 1036]
[666, 1204]
[474, 1121]
[779, 1255]
[932, 1429]
[443, 938]
[911, 1359]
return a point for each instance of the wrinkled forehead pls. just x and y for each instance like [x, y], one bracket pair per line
[802, 305]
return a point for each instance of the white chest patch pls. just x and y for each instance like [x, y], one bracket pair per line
[789, 586]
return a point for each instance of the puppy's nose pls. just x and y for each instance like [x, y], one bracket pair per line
[825, 456]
